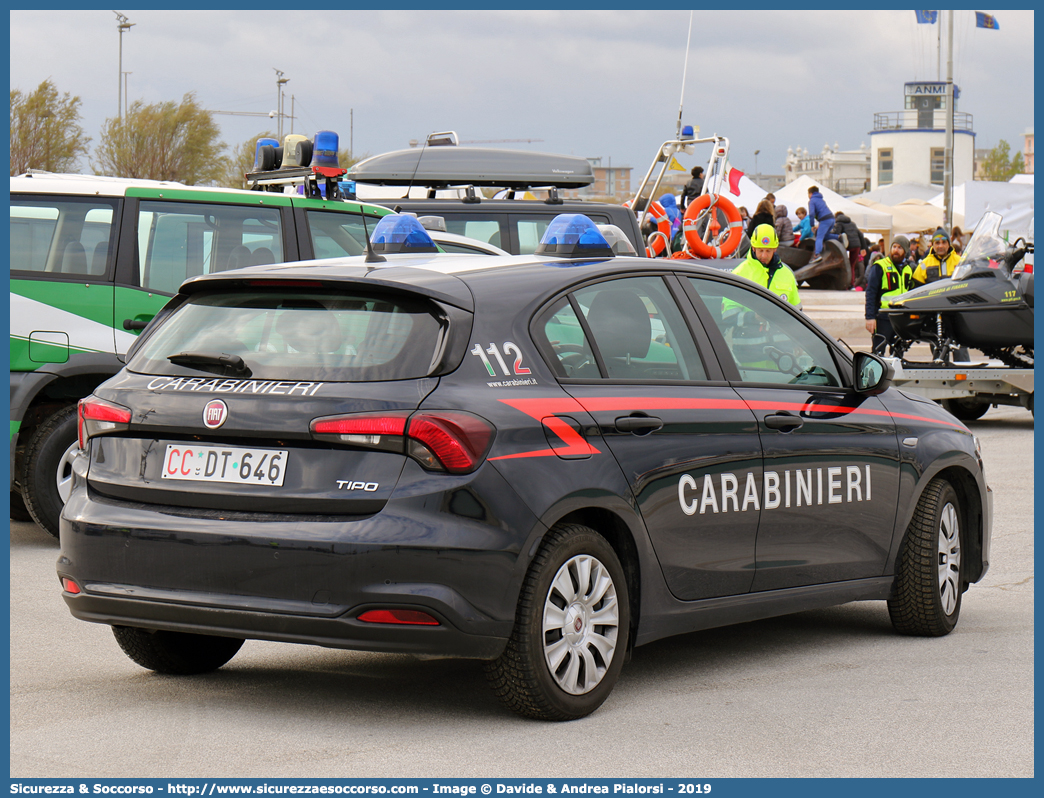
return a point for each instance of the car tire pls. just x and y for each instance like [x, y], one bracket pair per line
[560, 664]
[928, 580]
[176, 653]
[47, 468]
[19, 512]
[966, 408]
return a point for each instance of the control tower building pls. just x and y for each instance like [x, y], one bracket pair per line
[909, 146]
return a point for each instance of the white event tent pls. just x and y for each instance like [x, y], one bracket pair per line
[870, 220]
[1013, 201]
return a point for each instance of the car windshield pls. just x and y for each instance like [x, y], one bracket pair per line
[986, 250]
[319, 336]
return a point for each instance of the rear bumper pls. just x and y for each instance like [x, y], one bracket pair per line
[344, 631]
[304, 579]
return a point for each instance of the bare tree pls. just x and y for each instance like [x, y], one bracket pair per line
[45, 130]
[162, 141]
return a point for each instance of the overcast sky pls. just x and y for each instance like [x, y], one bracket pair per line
[590, 83]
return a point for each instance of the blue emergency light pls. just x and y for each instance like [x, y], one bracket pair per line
[324, 149]
[259, 164]
[573, 235]
[400, 232]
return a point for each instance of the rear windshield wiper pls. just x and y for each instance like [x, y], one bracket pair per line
[214, 362]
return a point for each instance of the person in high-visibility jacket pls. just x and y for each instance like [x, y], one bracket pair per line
[764, 267]
[937, 264]
[887, 278]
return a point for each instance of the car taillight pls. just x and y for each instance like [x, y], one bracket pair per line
[447, 440]
[384, 431]
[95, 416]
[458, 441]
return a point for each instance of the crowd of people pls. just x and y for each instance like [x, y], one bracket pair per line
[880, 269]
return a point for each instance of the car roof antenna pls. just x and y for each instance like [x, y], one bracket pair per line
[415, 168]
[371, 254]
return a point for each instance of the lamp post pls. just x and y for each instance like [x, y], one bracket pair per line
[122, 24]
[280, 82]
[126, 94]
[756, 163]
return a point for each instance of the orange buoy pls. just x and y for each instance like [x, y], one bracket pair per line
[698, 208]
[663, 225]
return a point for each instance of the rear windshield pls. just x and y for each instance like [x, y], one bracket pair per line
[317, 336]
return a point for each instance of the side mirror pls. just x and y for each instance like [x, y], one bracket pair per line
[870, 374]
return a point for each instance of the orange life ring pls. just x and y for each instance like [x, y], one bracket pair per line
[663, 225]
[693, 215]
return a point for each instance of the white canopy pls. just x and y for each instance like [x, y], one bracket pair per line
[750, 194]
[795, 195]
[912, 216]
[898, 192]
[1013, 201]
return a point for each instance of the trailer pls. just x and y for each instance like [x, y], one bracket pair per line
[966, 391]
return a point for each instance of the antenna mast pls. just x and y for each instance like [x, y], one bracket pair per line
[685, 69]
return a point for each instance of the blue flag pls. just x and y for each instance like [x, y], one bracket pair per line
[986, 21]
[927, 17]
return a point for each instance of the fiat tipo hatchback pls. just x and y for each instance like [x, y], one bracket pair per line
[539, 461]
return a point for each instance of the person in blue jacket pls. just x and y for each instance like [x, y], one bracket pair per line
[804, 225]
[823, 218]
[670, 204]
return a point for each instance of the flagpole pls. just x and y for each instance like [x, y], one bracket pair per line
[938, 49]
[948, 152]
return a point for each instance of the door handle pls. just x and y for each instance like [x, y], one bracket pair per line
[639, 425]
[784, 421]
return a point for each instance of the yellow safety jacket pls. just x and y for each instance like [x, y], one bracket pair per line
[783, 283]
[894, 280]
[931, 268]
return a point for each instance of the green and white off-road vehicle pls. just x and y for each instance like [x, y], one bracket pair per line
[92, 261]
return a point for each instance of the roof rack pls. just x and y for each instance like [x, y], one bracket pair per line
[315, 179]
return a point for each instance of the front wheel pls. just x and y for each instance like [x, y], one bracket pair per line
[177, 653]
[47, 468]
[966, 408]
[571, 626]
[928, 583]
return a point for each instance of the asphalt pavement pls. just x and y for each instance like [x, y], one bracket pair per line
[826, 693]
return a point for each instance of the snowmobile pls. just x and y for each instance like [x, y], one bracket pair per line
[987, 304]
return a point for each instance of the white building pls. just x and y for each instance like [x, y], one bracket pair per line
[909, 146]
[845, 171]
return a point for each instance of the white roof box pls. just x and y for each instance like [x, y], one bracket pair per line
[444, 166]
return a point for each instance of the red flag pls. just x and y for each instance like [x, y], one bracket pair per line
[734, 178]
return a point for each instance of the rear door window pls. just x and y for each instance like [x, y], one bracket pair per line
[67, 237]
[321, 335]
[335, 235]
[636, 327]
[179, 240]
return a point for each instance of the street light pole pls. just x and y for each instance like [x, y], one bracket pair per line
[122, 24]
[756, 162]
[280, 82]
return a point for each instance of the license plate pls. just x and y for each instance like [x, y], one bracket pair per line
[225, 464]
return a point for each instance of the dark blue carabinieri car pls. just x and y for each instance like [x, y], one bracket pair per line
[539, 461]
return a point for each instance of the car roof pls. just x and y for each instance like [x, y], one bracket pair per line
[451, 277]
[35, 182]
